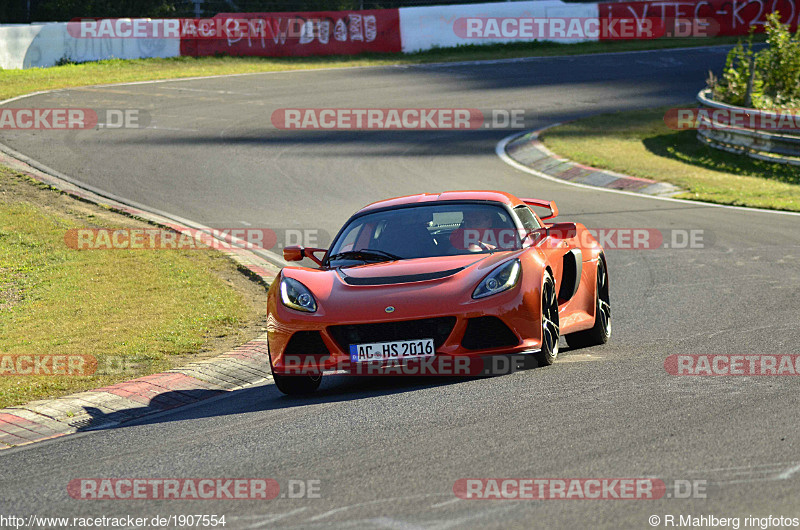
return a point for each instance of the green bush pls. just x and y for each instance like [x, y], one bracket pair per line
[13, 11]
[776, 82]
[69, 9]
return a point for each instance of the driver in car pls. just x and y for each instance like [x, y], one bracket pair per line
[476, 232]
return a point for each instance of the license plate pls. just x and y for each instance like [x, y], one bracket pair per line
[401, 349]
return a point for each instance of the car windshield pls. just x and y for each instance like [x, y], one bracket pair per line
[425, 231]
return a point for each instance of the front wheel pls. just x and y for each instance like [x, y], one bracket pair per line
[601, 331]
[550, 328]
[294, 385]
[297, 385]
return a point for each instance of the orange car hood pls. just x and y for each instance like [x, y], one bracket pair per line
[413, 268]
[363, 292]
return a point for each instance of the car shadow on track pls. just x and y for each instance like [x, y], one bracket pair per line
[201, 403]
[166, 407]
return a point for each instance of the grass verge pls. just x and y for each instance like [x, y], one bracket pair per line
[18, 82]
[639, 143]
[136, 311]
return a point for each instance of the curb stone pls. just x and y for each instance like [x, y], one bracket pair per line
[122, 402]
[528, 150]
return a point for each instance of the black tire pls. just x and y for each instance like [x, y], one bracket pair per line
[550, 327]
[297, 385]
[601, 331]
[294, 385]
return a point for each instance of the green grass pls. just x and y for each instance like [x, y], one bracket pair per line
[142, 310]
[18, 82]
[638, 143]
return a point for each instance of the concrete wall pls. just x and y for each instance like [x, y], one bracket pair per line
[41, 45]
[423, 28]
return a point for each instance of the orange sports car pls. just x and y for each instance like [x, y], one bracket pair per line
[457, 275]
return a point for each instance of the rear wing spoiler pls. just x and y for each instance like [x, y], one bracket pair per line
[551, 205]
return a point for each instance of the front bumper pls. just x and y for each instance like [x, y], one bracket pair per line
[506, 324]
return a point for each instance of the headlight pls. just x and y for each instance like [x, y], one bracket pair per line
[501, 279]
[297, 296]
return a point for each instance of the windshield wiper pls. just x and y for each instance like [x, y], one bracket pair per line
[365, 254]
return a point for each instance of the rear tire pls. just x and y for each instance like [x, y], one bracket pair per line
[550, 327]
[601, 331]
[297, 385]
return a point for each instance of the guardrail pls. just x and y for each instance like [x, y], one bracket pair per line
[755, 143]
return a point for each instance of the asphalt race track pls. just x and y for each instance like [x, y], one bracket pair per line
[388, 451]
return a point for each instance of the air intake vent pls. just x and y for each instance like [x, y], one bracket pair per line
[484, 333]
[437, 329]
[306, 343]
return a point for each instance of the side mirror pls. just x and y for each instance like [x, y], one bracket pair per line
[534, 237]
[293, 253]
[296, 253]
[567, 230]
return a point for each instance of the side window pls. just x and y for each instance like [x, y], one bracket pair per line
[527, 218]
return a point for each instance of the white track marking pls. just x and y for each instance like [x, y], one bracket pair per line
[500, 150]
[788, 473]
[445, 503]
[542, 58]
[757, 473]
[268, 255]
[159, 128]
[333, 68]
[275, 517]
[334, 511]
[208, 91]
[386, 522]
[735, 468]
